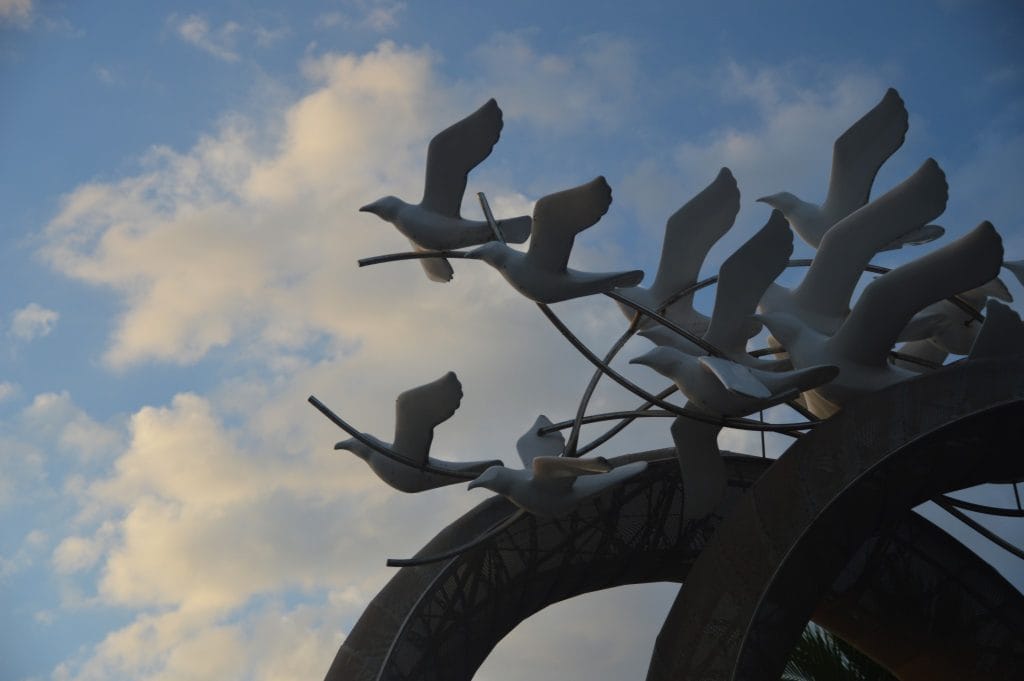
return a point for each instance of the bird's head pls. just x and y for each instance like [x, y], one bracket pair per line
[784, 327]
[386, 208]
[661, 359]
[494, 478]
[355, 446]
[492, 253]
[783, 201]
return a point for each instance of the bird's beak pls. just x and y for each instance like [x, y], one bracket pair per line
[763, 199]
[642, 359]
[368, 208]
[474, 484]
[339, 445]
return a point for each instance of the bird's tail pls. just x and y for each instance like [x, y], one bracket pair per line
[516, 230]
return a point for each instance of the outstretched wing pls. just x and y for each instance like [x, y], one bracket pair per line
[559, 217]
[849, 246]
[532, 445]
[735, 378]
[742, 281]
[691, 232]
[889, 302]
[860, 151]
[562, 471]
[419, 410]
[454, 152]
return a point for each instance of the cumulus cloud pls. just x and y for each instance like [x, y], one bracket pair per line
[32, 321]
[17, 12]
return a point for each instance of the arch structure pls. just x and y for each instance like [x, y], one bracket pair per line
[826, 532]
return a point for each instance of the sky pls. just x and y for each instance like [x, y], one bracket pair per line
[179, 185]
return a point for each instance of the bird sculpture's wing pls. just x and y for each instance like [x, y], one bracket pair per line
[1001, 335]
[743, 279]
[889, 302]
[419, 410]
[691, 232]
[559, 217]
[734, 377]
[1016, 268]
[454, 152]
[562, 471]
[848, 247]
[437, 269]
[860, 151]
[532, 445]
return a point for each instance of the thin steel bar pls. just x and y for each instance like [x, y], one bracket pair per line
[983, 508]
[738, 423]
[1016, 495]
[588, 393]
[385, 451]
[489, 216]
[621, 425]
[410, 255]
[667, 323]
[915, 360]
[980, 529]
[458, 550]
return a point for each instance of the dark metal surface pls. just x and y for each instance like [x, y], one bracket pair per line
[773, 559]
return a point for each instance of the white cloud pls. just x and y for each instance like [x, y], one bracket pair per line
[222, 42]
[32, 321]
[376, 15]
[17, 12]
[7, 390]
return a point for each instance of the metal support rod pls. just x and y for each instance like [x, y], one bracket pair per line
[738, 423]
[983, 508]
[979, 528]
[489, 216]
[385, 451]
[410, 255]
[424, 560]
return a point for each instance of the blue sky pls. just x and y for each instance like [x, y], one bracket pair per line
[178, 240]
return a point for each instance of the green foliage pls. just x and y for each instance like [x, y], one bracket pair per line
[820, 656]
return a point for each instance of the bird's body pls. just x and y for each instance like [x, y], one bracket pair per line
[856, 157]
[435, 223]
[860, 347]
[541, 274]
[417, 412]
[555, 486]
[550, 485]
[725, 388]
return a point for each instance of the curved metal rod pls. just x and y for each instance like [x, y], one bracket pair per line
[618, 428]
[982, 508]
[667, 323]
[411, 255]
[737, 423]
[424, 560]
[588, 393]
[979, 528]
[385, 451]
[607, 416]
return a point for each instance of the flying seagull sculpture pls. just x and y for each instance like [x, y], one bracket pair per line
[553, 485]
[742, 281]
[725, 388]
[823, 296]
[436, 223]
[860, 348]
[856, 157]
[417, 412]
[541, 274]
[690, 233]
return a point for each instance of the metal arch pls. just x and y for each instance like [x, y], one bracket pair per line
[440, 621]
[763, 573]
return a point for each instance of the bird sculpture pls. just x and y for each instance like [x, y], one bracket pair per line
[541, 274]
[550, 485]
[860, 347]
[417, 412]
[742, 281]
[690, 233]
[700, 463]
[822, 298]
[856, 157]
[951, 329]
[722, 387]
[435, 223]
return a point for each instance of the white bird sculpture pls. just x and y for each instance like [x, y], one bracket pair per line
[856, 157]
[436, 223]
[951, 329]
[822, 299]
[860, 347]
[700, 463]
[689, 234]
[553, 485]
[725, 388]
[742, 281]
[541, 274]
[417, 412]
